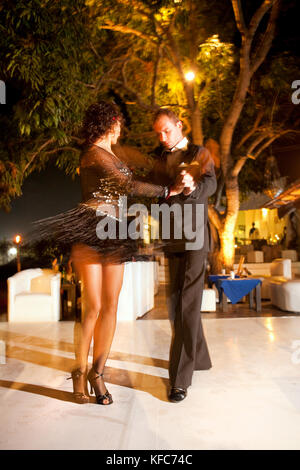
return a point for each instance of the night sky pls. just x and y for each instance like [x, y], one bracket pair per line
[45, 193]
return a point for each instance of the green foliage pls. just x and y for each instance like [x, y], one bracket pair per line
[42, 43]
[62, 55]
[46, 58]
[206, 40]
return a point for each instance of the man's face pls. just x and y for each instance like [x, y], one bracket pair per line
[168, 132]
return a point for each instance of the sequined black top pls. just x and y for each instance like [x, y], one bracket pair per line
[98, 165]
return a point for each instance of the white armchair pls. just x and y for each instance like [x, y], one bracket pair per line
[34, 296]
[285, 294]
[280, 269]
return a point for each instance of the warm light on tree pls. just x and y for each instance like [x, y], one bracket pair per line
[228, 249]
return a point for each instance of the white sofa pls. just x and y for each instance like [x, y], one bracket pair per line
[34, 296]
[285, 294]
[138, 290]
[280, 269]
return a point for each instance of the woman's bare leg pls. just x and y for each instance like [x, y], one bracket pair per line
[112, 279]
[101, 286]
[91, 278]
[89, 270]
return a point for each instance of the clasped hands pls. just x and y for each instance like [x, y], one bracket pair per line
[184, 183]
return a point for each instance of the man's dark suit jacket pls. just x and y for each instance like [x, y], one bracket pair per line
[199, 162]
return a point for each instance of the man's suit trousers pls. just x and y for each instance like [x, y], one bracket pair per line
[189, 349]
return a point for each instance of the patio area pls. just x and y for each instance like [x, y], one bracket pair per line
[250, 399]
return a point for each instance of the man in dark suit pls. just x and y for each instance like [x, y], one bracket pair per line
[187, 257]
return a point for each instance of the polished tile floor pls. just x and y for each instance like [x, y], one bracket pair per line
[250, 399]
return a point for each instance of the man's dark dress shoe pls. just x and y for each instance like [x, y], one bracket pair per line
[177, 394]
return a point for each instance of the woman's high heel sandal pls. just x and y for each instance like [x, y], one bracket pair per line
[78, 380]
[105, 399]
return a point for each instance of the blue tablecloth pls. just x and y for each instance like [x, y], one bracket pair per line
[235, 289]
[215, 277]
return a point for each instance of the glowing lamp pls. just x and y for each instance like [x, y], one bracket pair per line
[17, 239]
[189, 76]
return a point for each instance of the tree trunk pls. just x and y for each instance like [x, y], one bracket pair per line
[214, 258]
[196, 120]
[227, 232]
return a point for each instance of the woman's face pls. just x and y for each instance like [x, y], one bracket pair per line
[116, 132]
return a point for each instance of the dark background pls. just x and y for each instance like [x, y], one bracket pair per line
[45, 193]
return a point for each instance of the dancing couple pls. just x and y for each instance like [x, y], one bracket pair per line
[99, 264]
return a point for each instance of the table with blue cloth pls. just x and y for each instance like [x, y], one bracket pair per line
[236, 289]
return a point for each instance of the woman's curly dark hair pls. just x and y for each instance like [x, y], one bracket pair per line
[99, 119]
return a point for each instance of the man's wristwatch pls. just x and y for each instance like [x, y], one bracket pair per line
[167, 192]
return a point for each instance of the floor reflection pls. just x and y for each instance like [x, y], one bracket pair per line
[156, 386]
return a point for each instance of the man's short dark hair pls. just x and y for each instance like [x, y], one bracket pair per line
[165, 112]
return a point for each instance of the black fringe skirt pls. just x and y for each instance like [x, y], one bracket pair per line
[103, 234]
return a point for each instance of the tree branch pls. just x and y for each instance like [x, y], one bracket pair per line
[77, 139]
[258, 16]
[131, 92]
[59, 149]
[94, 50]
[239, 165]
[126, 30]
[258, 140]
[252, 131]
[123, 72]
[215, 217]
[239, 16]
[140, 7]
[274, 137]
[268, 37]
[155, 74]
[114, 62]
[219, 192]
[245, 74]
[34, 155]
[88, 85]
